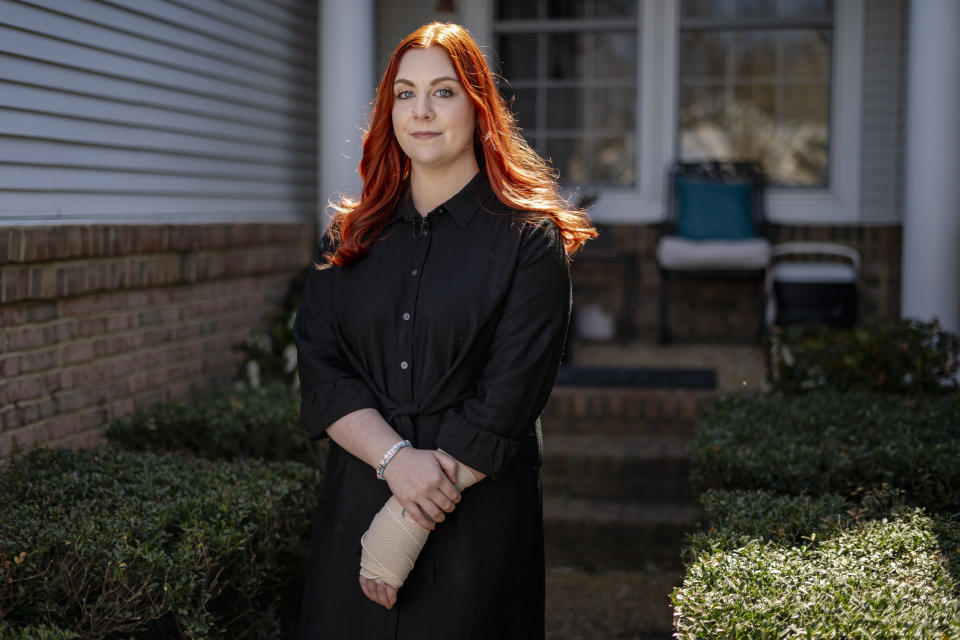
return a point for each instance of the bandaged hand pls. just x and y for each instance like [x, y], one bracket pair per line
[393, 541]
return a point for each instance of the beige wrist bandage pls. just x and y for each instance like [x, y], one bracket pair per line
[394, 540]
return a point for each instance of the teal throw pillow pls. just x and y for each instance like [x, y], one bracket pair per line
[714, 210]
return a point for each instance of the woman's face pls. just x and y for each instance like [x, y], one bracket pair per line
[433, 119]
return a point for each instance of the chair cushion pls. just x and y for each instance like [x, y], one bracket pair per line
[709, 210]
[814, 272]
[682, 254]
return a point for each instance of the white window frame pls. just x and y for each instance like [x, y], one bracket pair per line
[657, 141]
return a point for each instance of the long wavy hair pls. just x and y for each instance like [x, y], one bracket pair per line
[520, 178]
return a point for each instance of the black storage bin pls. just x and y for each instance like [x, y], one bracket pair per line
[812, 291]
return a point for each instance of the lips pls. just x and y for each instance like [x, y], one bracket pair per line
[424, 135]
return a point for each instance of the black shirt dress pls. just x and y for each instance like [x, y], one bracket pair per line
[452, 327]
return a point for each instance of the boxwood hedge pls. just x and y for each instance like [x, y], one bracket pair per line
[226, 424]
[107, 543]
[829, 442]
[881, 579]
[895, 356]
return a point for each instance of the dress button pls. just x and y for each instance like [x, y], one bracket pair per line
[404, 365]
[406, 316]
[414, 272]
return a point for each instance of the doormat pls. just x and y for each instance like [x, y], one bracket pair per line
[637, 377]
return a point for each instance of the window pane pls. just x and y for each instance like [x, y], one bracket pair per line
[612, 161]
[590, 8]
[577, 101]
[704, 53]
[753, 105]
[566, 8]
[523, 104]
[615, 109]
[566, 155]
[565, 55]
[806, 8]
[754, 53]
[704, 125]
[707, 8]
[756, 8]
[516, 9]
[616, 8]
[806, 53]
[773, 104]
[806, 105]
[615, 55]
[803, 162]
[565, 108]
[749, 147]
[518, 56]
[703, 107]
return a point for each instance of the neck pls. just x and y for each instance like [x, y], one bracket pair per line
[432, 187]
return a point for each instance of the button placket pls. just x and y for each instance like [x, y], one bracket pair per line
[422, 247]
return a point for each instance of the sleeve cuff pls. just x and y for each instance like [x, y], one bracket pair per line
[318, 410]
[481, 449]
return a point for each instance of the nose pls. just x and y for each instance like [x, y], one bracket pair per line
[421, 108]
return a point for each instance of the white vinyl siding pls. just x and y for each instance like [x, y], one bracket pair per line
[884, 112]
[157, 111]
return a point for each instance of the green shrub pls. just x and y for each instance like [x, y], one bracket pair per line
[902, 356]
[41, 632]
[733, 518]
[270, 354]
[107, 542]
[827, 442]
[226, 424]
[882, 579]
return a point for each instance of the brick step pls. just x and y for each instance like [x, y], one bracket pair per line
[602, 467]
[603, 535]
[624, 411]
[623, 604]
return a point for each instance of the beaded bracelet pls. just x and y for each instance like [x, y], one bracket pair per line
[388, 456]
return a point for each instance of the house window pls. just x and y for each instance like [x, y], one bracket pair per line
[755, 85]
[570, 70]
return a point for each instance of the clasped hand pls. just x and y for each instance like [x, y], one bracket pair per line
[423, 481]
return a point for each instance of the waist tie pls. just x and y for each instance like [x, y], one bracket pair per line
[400, 417]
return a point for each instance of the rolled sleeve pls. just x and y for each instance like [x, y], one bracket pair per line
[329, 387]
[497, 426]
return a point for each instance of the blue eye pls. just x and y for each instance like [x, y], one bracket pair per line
[403, 95]
[444, 93]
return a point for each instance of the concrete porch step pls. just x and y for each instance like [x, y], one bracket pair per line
[625, 468]
[598, 534]
[623, 411]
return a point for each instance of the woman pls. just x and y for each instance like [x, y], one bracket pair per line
[436, 314]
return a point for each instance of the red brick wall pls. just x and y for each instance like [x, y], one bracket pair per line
[99, 321]
[703, 309]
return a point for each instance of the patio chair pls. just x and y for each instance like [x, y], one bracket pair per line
[714, 227]
[820, 287]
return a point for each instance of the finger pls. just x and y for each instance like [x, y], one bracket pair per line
[442, 501]
[412, 510]
[432, 511]
[364, 584]
[448, 463]
[391, 595]
[382, 596]
[450, 492]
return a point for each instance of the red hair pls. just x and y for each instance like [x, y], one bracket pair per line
[519, 176]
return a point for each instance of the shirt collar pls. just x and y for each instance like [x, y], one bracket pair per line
[461, 206]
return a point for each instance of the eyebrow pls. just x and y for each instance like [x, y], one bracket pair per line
[436, 81]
